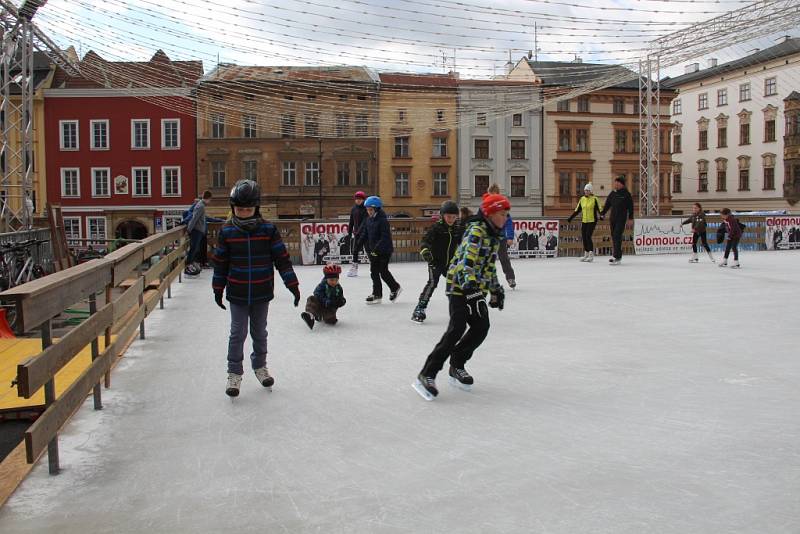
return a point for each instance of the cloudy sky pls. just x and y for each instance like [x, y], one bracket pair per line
[475, 36]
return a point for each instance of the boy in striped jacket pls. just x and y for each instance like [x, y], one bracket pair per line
[249, 250]
[471, 276]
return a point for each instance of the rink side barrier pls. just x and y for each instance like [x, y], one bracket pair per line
[133, 280]
[407, 234]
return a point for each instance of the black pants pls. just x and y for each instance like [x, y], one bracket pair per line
[617, 229]
[379, 269]
[700, 236]
[587, 229]
[455, 344]
[732, 244]
[356, 246]
[434, 273]
[505, 261]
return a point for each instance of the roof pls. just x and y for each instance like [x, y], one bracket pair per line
[159, 71]
[786, 48]
[227, 72]
[41, 70]
[430, 81]
[563, 73]
[794, 95]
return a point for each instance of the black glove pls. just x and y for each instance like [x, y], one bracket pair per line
[427, 255]
[218, 299]
[476, 302]
[569, 219]
[498, 299]
[296, 292]
[373, 254]
[342, 301]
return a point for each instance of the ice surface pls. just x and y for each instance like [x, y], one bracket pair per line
[657, 396]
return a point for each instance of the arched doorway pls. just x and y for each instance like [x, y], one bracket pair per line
[131, 230]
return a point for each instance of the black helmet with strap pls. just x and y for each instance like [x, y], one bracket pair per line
[246, 194]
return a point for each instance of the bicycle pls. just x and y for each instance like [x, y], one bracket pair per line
[17, 267]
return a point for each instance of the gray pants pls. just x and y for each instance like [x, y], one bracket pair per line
[505, 261]
[256, 314]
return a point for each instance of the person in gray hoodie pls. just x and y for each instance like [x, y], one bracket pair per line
[197, 228]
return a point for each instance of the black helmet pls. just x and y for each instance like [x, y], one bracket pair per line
[246, 194]
[448, 206]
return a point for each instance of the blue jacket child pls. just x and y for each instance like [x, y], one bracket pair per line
[327, 298]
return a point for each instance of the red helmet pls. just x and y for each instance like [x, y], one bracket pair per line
[360, 194]
[494, 203]
[332, 270]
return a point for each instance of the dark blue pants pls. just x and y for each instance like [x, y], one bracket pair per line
[256, 315]
[195, 240]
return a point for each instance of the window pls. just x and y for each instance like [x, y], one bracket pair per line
[99, 134]
[141, 181]
[481, 185]
[342, 125]
[562, 105]
[218, 174]
[744, 179]
[439, 115]
[517, 149]
[250, 169]
[289, 173]
[676, 106]
[170, 181]
[676, 143]
[563, 184]
[342, 173]
[744, 92]
[362, 172]
[721, 180]
[440, 184]
[439, 147]
[72, 229]
[401, 184]
[722, 137]
[96, 230]
[702, 182]
[101, 182]
[481, 149]
[620, 141]
[170, 134]
[722, 97]
[771, 86]
[481, 119]
[401, 149]
[311, 125]
[702, 101]
[769, 178]
[637, 140]
[401, 115]
[676, 182]
[312, 173]
[70, 183]
[140, 134]
[564, 139]
[362, 129]
[769, 130]
[581, 179]
[217, 126]
[516, 119]
[249, 126]
[69, 135]
[703, 140]
[287, 126]
[582, 140]
[744, 134]
[583, 104]
[636, 106]
[619, 105]
[517, 186]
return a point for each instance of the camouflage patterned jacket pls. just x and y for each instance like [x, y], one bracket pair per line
[474, 260]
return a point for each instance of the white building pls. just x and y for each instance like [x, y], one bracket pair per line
[728, 130]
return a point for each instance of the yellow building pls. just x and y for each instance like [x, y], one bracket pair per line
[417, 153]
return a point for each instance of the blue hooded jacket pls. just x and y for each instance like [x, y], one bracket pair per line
[378, 234]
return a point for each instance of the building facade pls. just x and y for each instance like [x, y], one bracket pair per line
[418, 142]
[500, 141]
[121, 146]
[791, 148]
[307, 135]
[728, 141]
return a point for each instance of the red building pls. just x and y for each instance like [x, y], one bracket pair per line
[121, 145]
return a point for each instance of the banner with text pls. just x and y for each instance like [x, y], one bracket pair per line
[321, 243]
[661, 236]
[534, 238]
[783, 232]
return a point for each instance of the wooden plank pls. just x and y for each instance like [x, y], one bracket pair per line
[154, 273]
[35, 372]
[13, 470]
[154, 243]
[127, 301]
[58, 413]
[125, 260]
[151, 298]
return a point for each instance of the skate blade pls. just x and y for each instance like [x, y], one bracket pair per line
[456, 384]
[419, 323]
[422, 391]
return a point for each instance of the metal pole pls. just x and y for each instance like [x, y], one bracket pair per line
[98, 402]
[319, 140]
[49, 399]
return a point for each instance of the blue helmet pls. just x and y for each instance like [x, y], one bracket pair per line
[374, 202]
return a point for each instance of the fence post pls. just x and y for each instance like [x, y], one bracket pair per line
[107, 337]
[98, 402]
[141, 302]
[49, 398]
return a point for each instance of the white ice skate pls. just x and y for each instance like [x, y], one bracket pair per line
[590, 257]
[735, 264]
[263, 376]
[614, 261]
[585, 256]
[693, 259]
[723, 263]
[234, 383]
[353, 272]
[711, 257]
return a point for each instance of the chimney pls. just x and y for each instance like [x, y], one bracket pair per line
[577, 59]
[692, 67]
[712, 62]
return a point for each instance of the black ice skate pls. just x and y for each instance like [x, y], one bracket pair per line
[374, 299]
[426, 387]
[419, 315]
[393, 295]
[461, 379]
[309, 319]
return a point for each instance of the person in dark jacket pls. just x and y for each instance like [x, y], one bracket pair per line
[438, 246]
[508, 234]
[620, 203]
[698, 222]
[249, 250]
[377, 236]
[327, 298]
[732, 229]
[358, 216]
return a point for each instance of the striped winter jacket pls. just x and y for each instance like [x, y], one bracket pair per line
[474, 261]
[243, 263]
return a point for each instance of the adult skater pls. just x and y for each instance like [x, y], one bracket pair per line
[620, 203]
[438, 246]
[328, 297]
[249, 250]
[377, 236]
[589, 208]
[358, 216]
[698, 222]
[472, 274]
[732, 229]
[508, 234]
[197, 228]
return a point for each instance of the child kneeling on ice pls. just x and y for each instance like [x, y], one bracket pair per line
[327, 298]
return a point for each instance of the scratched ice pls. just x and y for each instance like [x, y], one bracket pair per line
[658, 396]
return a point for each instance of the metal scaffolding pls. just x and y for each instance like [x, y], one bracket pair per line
[649, 135]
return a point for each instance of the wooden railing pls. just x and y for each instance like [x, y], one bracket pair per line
[144, 271]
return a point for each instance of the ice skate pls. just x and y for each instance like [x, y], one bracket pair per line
[419, 315]
[512, 283]
[374, 299]
[585, 256]
[234, 382]
[590, 257]
[309, 320]
[394, 294]
[735, 264]
[353, 272]
[614, 261]
[426, 387]
[264, 377]
[460, 379]
[711, 257]
[694, 259]
[723, 263]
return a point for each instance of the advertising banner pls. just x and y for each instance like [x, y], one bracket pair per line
[534, 238]
[783, 232]
[661, 236]
[326, 242]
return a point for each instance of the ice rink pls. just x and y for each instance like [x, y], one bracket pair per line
[652, 397]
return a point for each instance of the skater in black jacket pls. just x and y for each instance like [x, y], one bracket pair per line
[438, 246]
[377, 236]
[358, 216]
[620, 203]
[698, 222]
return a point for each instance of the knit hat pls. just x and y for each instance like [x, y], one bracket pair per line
[493, 203]
[588, 187]
[448, 206]
[331, 270]
[360, 194]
